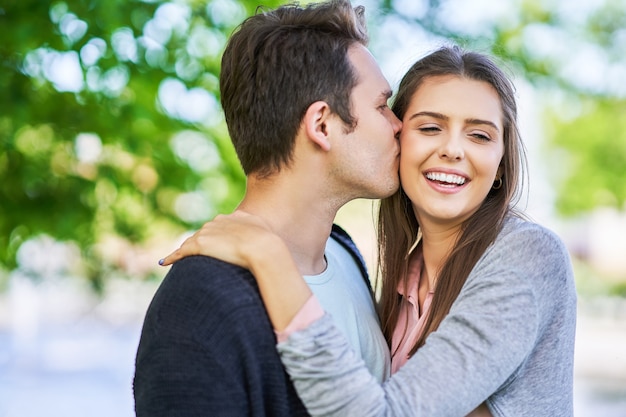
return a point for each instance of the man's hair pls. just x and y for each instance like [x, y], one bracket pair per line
[275, 65]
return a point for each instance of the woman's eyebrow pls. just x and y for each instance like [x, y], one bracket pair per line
[429, 113]
[482, 122]
[440, 116]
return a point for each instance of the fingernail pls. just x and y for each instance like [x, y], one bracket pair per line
[161, 262]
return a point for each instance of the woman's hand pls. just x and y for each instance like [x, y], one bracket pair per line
[247, 241]
[233, 238]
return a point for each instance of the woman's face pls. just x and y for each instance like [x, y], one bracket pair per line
[451, 148]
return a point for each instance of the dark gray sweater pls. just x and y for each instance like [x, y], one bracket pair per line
[207, 346]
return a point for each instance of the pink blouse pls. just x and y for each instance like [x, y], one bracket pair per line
[410, 320]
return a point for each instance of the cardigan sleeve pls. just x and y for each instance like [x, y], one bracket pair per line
[207, 347]
[477, 349]
[310, 311]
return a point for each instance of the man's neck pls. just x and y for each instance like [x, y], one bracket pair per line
[302, 217]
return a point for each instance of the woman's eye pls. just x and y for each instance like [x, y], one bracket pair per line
[429, 129]
[481, 136]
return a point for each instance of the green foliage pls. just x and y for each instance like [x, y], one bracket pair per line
[88, 145]
[589, 152]
[110, 122]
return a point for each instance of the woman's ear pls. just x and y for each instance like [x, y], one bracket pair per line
[316, 121]
[500, 170]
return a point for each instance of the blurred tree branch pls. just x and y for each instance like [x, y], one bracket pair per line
[110, 121]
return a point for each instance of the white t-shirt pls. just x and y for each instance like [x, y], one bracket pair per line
[343, 294]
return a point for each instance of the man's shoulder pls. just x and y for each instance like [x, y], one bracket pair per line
[207, 344]
[200, 264]
[199, 285]
[200, 273]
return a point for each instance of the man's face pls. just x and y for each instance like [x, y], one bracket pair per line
[368, 156]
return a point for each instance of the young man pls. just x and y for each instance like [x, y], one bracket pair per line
[306, 108]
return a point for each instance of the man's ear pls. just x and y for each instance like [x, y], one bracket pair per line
[316, 121]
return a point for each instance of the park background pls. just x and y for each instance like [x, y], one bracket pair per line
[113, 149]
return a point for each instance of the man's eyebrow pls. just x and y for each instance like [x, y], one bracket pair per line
[386, 94]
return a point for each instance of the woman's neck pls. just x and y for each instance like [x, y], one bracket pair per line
[437, 244]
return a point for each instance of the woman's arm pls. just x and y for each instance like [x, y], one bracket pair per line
[474, 351]
[501, 341]
[245, 240]
[477, 349]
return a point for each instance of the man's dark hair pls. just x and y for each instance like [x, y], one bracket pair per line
[275, 65]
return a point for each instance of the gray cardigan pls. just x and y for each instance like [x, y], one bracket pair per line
[508, 339]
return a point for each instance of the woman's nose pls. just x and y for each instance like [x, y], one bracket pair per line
[452, 147]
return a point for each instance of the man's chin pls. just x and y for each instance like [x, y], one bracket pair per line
[388, 191]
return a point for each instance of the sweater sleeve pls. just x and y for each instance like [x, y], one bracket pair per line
[310, 311]
[477, 349]
[207, 348]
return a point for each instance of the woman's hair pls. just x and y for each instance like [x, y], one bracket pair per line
[279, 62]
[397, 224]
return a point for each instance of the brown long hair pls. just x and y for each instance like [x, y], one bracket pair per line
[397, 224]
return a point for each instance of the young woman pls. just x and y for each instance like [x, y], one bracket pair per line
[477, 303]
